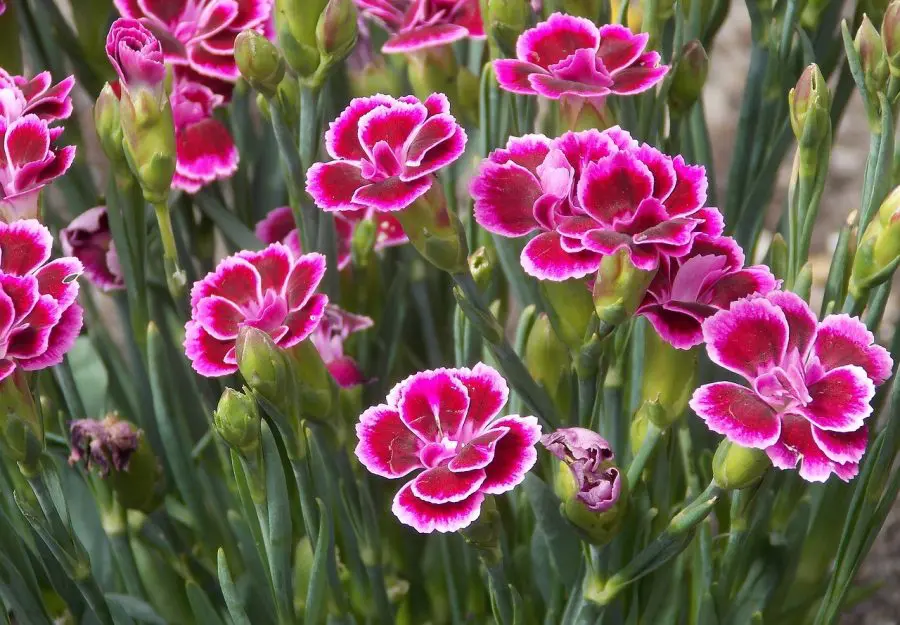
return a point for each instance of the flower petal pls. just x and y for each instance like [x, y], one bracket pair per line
[333, 185]
[478, 452]
[24, 246]
[424, 37]
[844, 340]
[487, 392]
[301, 323]
[842, 447]
[620, 47]
[515, 76]
[504, 198]
[555, 39]
[273, 265]
[545, 259]
[800, 319]
[797, 444]
[840, 400]
[514, 455]
[305, 276]
[612, 188]
[748, 338]
[207, 354]
[738, 413]
[206, 152]
[386, 446]
[441, 485]
[392, 194]
[342, 137]
[689, 193]
[433, 404]
[234, 279]
[394, 125]
[427, 517]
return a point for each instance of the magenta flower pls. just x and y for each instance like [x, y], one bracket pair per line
[687, 290]
[107, 445]
[589, 194]
[328, 338]
[136, 56]
[588, 455]
[271, 290]
[39, 317]
[569, 57]
[205, 151]
[443, 421]
[30, 158]
[197, 36]
[810, 383]
[419, 24]
[278, 226]
[386, 153]
[89, 239]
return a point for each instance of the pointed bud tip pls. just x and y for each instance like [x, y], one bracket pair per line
[259, 61]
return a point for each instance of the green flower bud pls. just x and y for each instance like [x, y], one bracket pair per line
[149, 140]
[314, 387]
[872, 56]
[571, 306]
[481, 264]
[619, 288]
[668, 379]
[435, 231]
[506, 20]
[237, 421]
[295, 23]
[484, 533]
[548, 361]
[736, 467]
[21, 428]
[260, 62]
[689, 77]
[336, 30]
[810, 103]
[264, 366]
[879, 251]
[890, 32]
[778, 256]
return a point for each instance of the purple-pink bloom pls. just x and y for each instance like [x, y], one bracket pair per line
[107, 444]
[810, 383]
[569, 57]
[588, 455]
[136, 56]
[590, 194]
[386, 153]
[205, 151]
[38, 96]
[688, 290]
[419, 24]
[39, 317]
[328, 338]
[279, 226]
[271, 290]
[197, 36]
[443, 421]
[89, 239]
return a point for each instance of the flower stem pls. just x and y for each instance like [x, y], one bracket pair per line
[175, 276]
[643, 455]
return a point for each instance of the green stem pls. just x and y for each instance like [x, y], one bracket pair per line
[452, 592]
[117, 530]
[651, 439]
[175, 276]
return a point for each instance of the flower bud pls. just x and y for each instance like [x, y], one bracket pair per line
[890, 32]
[689, 77]
[634, 16]
[591, 488]
[570, 304]
[107, 121]
[295, 23]
[314, 389]
[481, 265]
[619, 288]
[872, 57]
[237, 421]
[336, 30]
[435, 231]
[260, 62]
[264, 366]
[668, 379]
[363, 240]
[21, 428]
[879, 250]
[548, 362]
[736, 467]
[810, 103]
[484, 533]
[506, 20]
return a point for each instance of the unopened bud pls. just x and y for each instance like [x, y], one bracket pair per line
[481, 265]
[107, 121]
[879, 250]
[668, 379]
[260, 62]
[890, 32]
[583, 8]
[21, 429]
[736, 467]
[689, 77]
[548, 361]
[619, 288]
[149, 139]
[506, 20]
[295, 23]
[314, 389]
[571, 306]
[263, 365]
[435, 231]
[336, 30]
[237, 421]
[872, 57]
[810, 104]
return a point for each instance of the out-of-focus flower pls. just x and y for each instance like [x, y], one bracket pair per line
[204, 147]
[443, 421]
[106, 445]
[198, 36]
[811, 383]
[590, 194]
[688, 290]
[39, 318]
[336, 326]
[89, 239]
[569, 57]
[271, 290]
[30, 158]
[419, 24]
[279, 227]
[386, 153]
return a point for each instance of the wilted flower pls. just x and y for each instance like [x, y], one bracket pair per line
[89, 239]
[810, 383]
[30, 158]
[271, 290]
[279, 227]
[204, 147]
[198, 36]
[39, 318]
[386, 152]
[335, 327]
[689, 289]
[442, 421]
[590, 194]
[419, 24]
[107, 445]
[569, 57]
